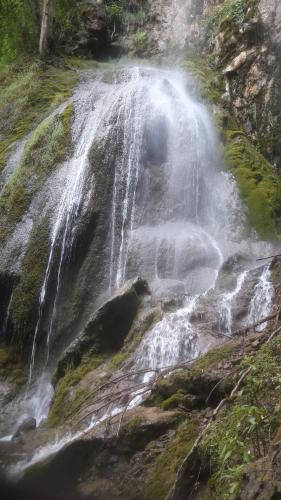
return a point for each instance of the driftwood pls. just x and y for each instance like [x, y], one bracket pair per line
[159, 372]
[246, 329]
[270, 257]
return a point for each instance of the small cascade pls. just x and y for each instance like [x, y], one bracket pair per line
[225, 309]
[172, 340]
[261, 302]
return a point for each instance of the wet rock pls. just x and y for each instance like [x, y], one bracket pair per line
[109, 325]
[98, 466]
[27, 426]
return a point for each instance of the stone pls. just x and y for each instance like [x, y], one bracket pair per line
[108, 327]
[28, 425]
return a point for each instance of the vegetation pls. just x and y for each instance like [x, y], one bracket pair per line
[24, 305]
[28, 93]
[258, 183]
[233, 11]
[46, 147]
[243, 429]
[11, 368]
[123, 15]
[67, 397]
[20, 23]
[163, 474]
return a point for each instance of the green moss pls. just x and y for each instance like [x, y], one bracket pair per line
[11, 367]
[29, 92]
[163, 474]
[131, 426]
[26, 294]
[243, 429]
[173, 401]
[170, 391]
[118, 359]
[215, 356]
[259, 185]
[47, 146]
[64, 403]
[210, 81]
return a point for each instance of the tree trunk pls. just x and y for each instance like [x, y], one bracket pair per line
[46, 26]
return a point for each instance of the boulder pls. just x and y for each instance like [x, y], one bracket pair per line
[108, 327]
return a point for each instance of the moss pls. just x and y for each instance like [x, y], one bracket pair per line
[131, 426]
[163, 474]
[170, 391]
[26, 294]
[173, 401]
[118, 359]
[243, 429]
[259, 185]
[28, 92]
[210, 81]
[215, 356]
[64, 403]
[47, 146]
[11, 367]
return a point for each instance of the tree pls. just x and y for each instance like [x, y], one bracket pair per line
[48, 12]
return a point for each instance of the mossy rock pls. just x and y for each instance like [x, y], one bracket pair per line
[68, 395]
[25, 300]
[47, 146]
[29, 91]
[163, 474]
[259, 185]
[12, 367]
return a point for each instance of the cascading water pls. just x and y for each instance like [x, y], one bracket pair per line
[261, 302]
[171, 213]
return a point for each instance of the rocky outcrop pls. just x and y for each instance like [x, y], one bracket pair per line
[108, 327]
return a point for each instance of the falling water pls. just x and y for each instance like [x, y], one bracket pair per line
[261, 302]
[225, 310]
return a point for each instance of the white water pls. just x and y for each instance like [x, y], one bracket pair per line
[225, 310]
[261, 303]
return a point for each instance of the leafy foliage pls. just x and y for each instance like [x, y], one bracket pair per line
[19, 27]
[243, 430]
[124, 15]
[231, 10]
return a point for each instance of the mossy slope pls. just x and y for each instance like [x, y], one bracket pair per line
[47, 146]
[29, 92]
[259, 185]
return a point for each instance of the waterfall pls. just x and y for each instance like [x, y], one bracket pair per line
[146, 157]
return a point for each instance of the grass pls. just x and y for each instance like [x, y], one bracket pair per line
[242, 431]
[29, 91]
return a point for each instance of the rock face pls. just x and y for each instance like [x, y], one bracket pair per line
[248, 54]
[108, 327]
